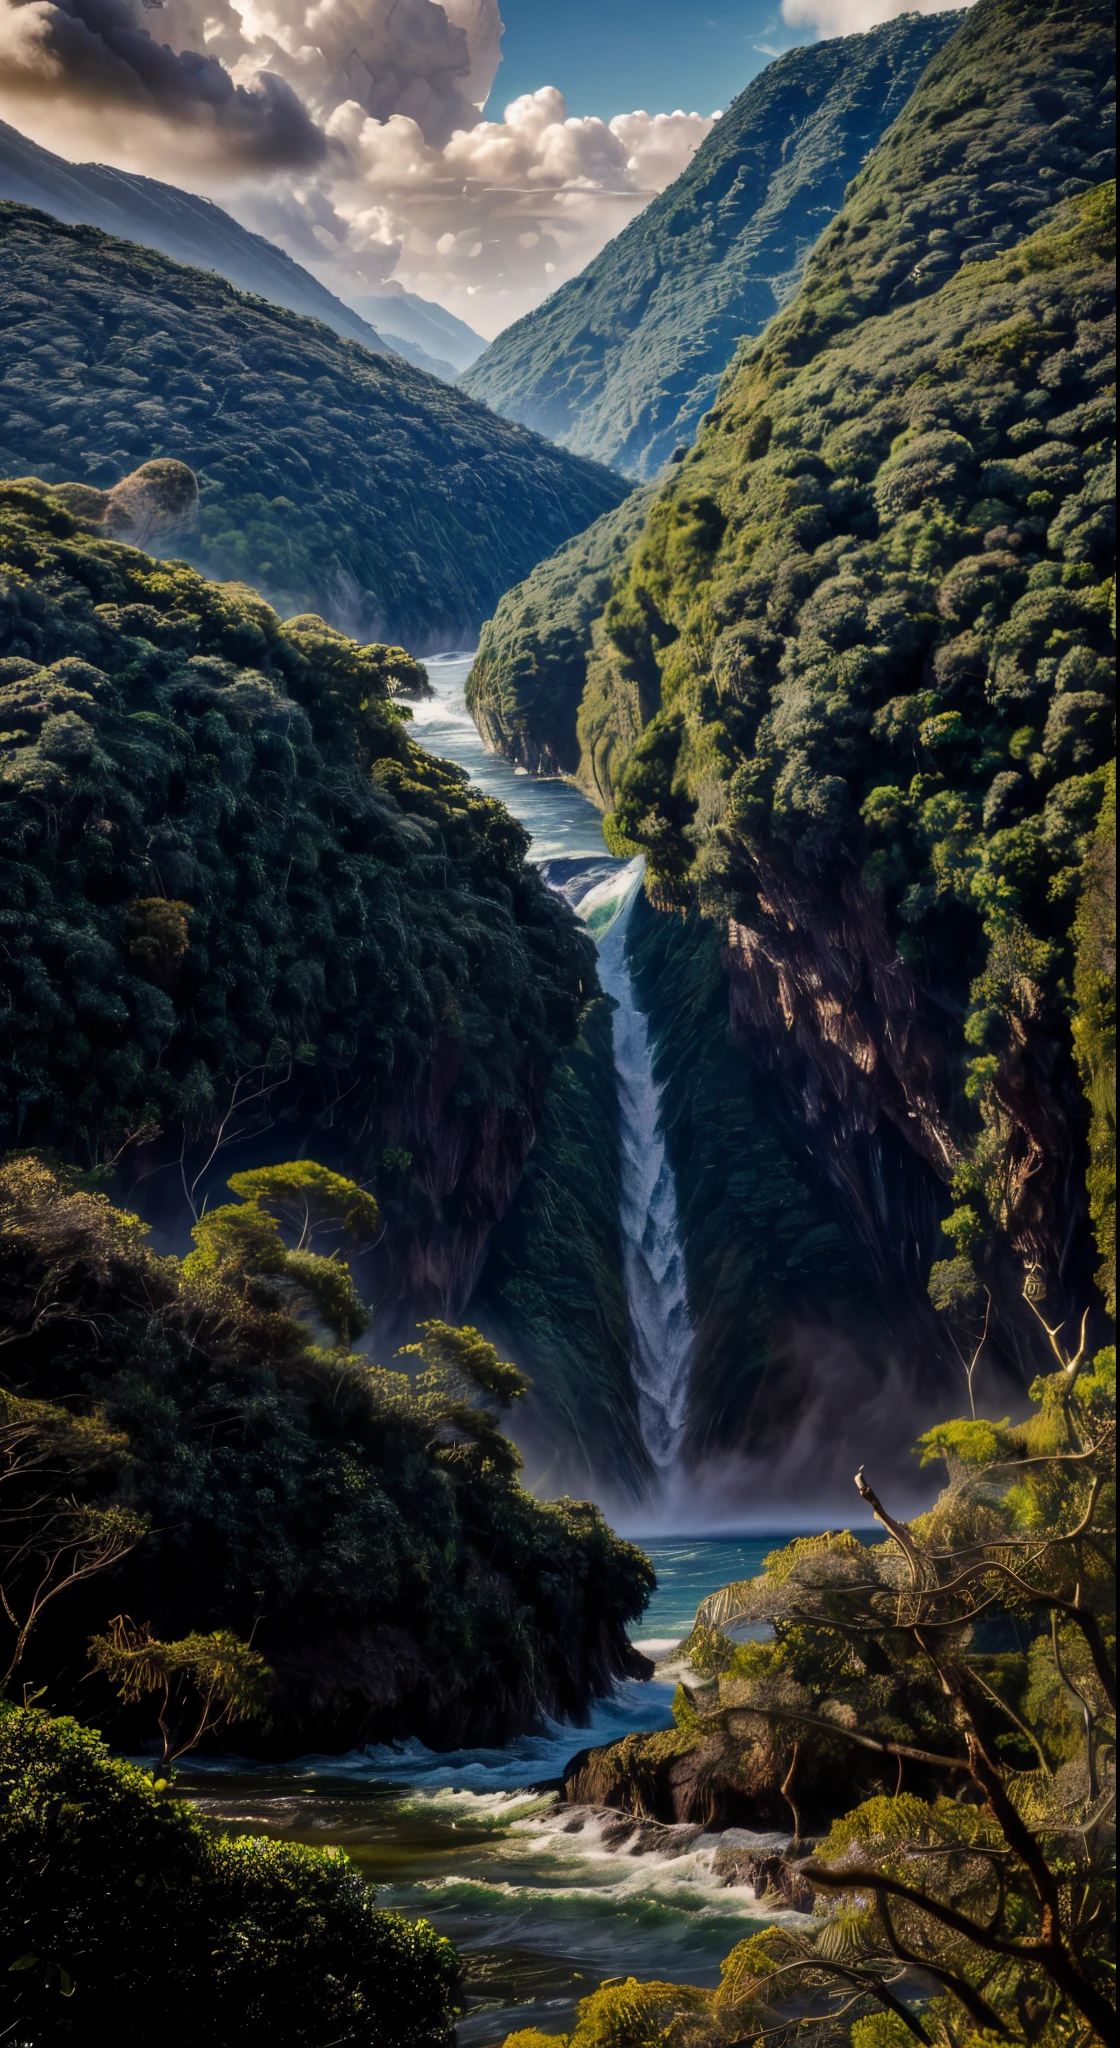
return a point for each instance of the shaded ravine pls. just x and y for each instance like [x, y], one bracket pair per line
[568, 844]
[545, 1901]
[661, 1329]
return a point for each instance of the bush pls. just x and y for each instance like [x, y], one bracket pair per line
[121, 1909]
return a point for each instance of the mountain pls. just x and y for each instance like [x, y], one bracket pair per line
[868, 628]
[180, 224]
[228, 873]
[402, 316]
[525, 688]
[332, 479]
[621, 362]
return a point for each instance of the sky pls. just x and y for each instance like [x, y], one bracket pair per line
[476, 152]
[657, 54]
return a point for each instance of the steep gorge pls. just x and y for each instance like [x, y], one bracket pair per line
[623, 361]
[851, 695]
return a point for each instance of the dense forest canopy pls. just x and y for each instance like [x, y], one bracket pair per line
[228, 874]
[622, 362]
[871, 614]
[333, 480]
[193, 1444]
[528, 678]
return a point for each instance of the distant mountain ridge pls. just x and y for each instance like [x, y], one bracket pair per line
[189, 230]
[622, 362]
[332, 479]
[404, 317]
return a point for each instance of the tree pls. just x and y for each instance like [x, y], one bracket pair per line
[56, 1528]
[203, 1682]
[459, 1365]
[246, 1243]
[995, 1888]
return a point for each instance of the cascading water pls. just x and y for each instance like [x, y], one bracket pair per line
[661, 1333]
[567, 839]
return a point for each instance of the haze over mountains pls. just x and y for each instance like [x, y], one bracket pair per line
[194, 230]
[622, 362]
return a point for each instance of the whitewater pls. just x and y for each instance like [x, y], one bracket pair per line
[545, 1901]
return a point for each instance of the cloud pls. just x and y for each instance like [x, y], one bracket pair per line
[351, 132]
[487, 224]
[85, 65]
[851, 17]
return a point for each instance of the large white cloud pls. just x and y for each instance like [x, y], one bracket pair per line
[352, 131]
[76, 73]
[494, 219]
[851, 17]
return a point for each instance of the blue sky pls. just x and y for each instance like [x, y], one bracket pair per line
[609, 55]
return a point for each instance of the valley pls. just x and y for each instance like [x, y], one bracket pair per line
[557, 1050]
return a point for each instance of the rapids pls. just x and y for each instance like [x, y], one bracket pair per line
[546, 1901]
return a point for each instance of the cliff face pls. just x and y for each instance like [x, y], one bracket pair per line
[622, 362]
[870, 618]
[807, 1234]
[552, 1294]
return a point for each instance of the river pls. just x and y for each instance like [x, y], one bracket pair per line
[541, 1906]
[544, 1902]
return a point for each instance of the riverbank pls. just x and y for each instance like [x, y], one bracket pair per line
[544, 1902]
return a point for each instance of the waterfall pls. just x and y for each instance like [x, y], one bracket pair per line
[661, 1335]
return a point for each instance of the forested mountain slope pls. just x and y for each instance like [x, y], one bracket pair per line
[872, 614]
[525, 688]
[179, 224]
[239, 903]
[621, 362]
[331, 479]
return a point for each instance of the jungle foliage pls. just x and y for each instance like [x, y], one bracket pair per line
[117, 1899]
[621, 362]
[530, 671]
[332, 479]
[231, 886]
[872, 609]
[192, 1444]
[942, 1706]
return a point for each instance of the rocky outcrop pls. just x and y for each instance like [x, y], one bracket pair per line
[151, 505]
[722, 1771]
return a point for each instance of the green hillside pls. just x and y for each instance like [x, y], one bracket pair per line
[873, 609]
[332, 480]
[525, 688]
[233, 888]
[622, 362]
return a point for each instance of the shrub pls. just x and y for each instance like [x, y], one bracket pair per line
[119, 1902]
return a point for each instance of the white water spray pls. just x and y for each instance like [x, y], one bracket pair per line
[661, 1333]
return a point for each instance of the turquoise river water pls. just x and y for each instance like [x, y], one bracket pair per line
[541, 1906]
